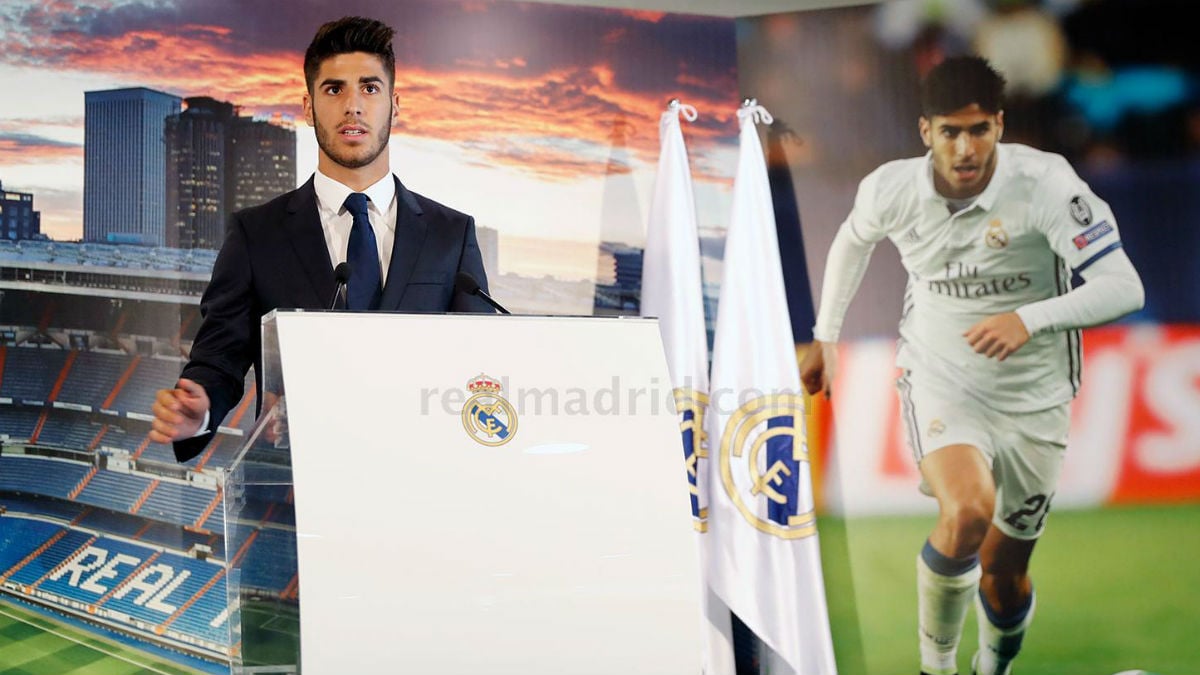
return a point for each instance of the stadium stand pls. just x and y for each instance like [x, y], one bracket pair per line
[19, 537]
[169, 500]
[132, 582]
[179, 539]
[43, 506]
[150, 375]
[78, 376]
[30, 571]
[115, 491]
[273, 545]
[73, 432]
[39, 475]
[92, 378]
[18, 422]
[111, 522]
[30, 373]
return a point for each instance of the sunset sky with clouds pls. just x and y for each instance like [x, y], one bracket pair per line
[528, 116]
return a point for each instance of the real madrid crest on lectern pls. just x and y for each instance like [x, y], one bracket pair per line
[487, 416]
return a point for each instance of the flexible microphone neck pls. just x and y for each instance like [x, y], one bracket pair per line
[465, 283]
[341, 274]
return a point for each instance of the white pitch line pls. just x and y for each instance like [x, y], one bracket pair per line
[80, 642]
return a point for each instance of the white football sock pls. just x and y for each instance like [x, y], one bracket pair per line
[999, 645]
[944, 590]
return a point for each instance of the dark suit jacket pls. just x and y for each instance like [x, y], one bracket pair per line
[275, 256]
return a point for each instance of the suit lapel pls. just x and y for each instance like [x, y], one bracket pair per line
[304, 232]
[410, 236]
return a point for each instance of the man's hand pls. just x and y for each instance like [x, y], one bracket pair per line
[998, 336]
[178, 412]
[819, 367]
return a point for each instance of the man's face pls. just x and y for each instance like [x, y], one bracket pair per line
[352, 107]
[964, 149]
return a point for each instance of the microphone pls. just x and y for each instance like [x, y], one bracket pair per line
[341, 274]
[465, 283]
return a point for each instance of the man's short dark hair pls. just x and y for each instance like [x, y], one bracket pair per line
[958, 82]
[346, 35]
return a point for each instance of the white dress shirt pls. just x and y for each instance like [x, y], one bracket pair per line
[336, 221]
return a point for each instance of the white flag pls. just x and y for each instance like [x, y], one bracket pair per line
[763, 549]
[672, 291]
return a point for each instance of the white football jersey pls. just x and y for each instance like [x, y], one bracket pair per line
[1016, 243]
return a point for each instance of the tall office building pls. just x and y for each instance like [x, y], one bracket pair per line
[219, 162]
[124, 165]
[18, 220]
[261, 161]
[196, 173]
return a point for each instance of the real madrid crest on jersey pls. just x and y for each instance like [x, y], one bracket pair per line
[995, 236]
[487, 416]
[764, 463]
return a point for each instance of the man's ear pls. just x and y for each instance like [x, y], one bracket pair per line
[999, 125]
[926, 130]
[308, 110]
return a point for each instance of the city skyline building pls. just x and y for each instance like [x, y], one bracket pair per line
[18, 220]
[196, 173]
[261, 164]
[622, 264]
[219, 162]
[124, 165]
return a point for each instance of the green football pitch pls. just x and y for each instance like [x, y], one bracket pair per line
[33, 644]
[1118, 589]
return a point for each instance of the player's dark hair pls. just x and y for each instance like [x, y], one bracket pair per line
[346, 35]
[960, 81]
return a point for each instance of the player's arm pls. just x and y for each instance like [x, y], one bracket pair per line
[845, 266]
[1082, 230]
[1111, 289]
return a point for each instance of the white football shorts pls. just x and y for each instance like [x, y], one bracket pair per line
[1026, 450]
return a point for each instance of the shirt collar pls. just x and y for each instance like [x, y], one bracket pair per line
[985, 199]
[331, 195]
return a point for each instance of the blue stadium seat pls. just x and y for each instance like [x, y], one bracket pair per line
[92, 378]
[40, 475]
[18, 422]
[30, 373]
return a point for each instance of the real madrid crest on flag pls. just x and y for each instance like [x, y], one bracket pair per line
[487, 416]
[764, 466]
[691, 405]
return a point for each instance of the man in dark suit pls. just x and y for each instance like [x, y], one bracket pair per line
[403, 250]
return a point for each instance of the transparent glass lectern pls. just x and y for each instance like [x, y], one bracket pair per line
[260, 535]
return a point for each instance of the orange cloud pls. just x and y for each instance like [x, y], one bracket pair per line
[560, 124]
[195, 61]
[513, 120]
[644, 15]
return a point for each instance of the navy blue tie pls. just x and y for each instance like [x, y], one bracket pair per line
[364, 288]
